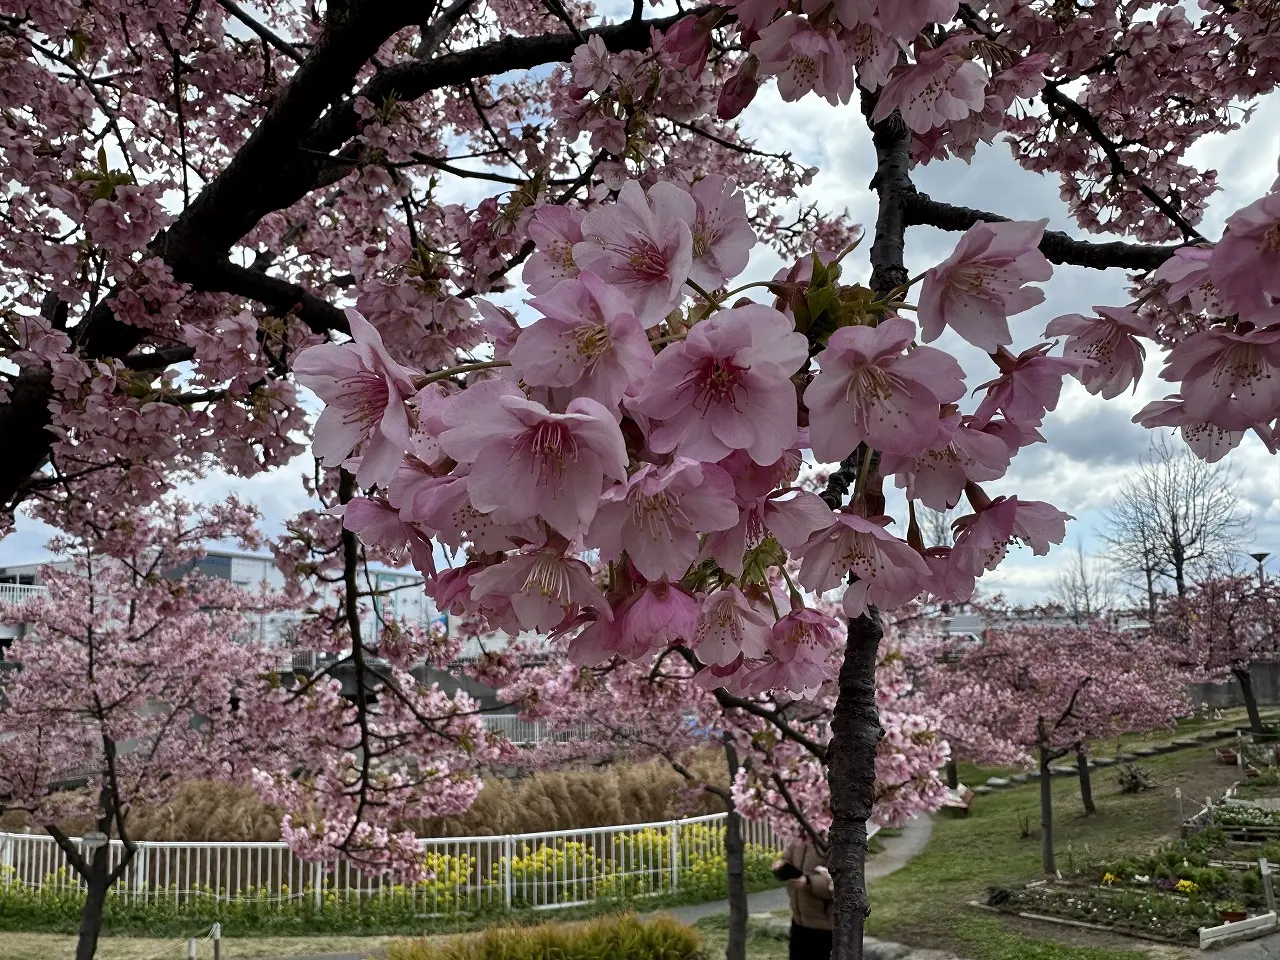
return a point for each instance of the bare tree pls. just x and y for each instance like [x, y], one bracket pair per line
[1177, 520]
[936, 527]
[1085, 589]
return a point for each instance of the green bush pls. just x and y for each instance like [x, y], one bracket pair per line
[618, 938]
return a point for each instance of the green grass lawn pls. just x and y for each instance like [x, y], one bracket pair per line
[924, 903]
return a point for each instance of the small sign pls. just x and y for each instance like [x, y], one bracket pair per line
[92, 841]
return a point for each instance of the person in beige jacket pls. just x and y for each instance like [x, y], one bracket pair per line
[804, 868]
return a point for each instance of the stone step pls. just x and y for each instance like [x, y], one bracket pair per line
[1146, 751]
[1185, 742]
[982, 788]
[1020, 777]
[1105, 761]
[997, 782]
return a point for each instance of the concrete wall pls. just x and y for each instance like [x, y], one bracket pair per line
[1266, 689]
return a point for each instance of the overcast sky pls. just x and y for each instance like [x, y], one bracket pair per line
[1092, 443]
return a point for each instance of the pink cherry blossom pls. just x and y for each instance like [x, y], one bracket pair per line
[942, 87]
[379, 525]
[658, 514]
[726, 386]
[981, 285]
[804, 58]
[1245, 266]
[643, 245]
[1217, 365]
[906, 18]
[739, 90]
[889, 572]
[982, 539]
[560, 458]
[722, 235]
[730, 627]
[1188, 273]
[1029, 386]
[590, 64]
[947, 582]
[555, 230]
[662, 614]
[1110, 342]
[543, 586]
[689, 41]
[364, 392]
[1208, 441]
[588, 340]
[938, 476]
[868, 388]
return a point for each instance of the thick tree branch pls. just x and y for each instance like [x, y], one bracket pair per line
[922, 210]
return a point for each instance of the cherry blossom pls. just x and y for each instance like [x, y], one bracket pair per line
[1218, 365]
[364, 391]
[942, 87]
[643, 245]
[730, 628]
[726, 387]
[1029, 385]
[868, 389]
[1109, 342]
[1246, 261]
[566, 455]
[981, 285]
[722, 235]
[888, 572]
[588, 339]
[657, 514]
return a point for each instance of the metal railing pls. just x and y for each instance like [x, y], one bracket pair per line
[548, 870]
[18, 592]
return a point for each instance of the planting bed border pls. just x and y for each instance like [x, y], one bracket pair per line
[1081, 924]
[1225, 933]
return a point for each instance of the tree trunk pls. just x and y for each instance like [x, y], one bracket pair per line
[851, 773]
[1046, 814]
[1086, 785]
[735, 868]
[1250, 701]
[953, 775]
[95, 899]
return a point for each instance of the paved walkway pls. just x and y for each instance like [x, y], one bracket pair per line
[1268, 948]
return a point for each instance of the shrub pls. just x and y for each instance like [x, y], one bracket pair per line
[618, 938]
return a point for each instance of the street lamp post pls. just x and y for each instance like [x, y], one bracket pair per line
[1261, 558]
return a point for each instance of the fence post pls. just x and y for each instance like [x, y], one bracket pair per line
[509, 848]
[675, 855]
[317, 881]
[140, 870]
[216, 934]
[1264, 869]
[6, 853]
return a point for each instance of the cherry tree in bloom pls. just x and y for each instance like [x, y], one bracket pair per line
[189, 217]
[135, 677]
[1032, 694]
[1221, 627]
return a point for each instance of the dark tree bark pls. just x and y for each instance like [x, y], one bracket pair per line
[953, 775]
[1086, 784]
[735, 867]
[851, 772]
[98, 883]
[1046, 813]
[1245, 677]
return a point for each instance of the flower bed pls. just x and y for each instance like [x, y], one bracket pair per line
[1166, 895]
[1148, 913]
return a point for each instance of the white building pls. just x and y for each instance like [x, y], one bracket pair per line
[401, 595]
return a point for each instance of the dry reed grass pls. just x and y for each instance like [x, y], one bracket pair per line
[551, 800]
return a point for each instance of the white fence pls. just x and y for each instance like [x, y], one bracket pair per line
[535, 870]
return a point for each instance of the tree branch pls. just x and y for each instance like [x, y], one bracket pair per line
[284, 46]
[923, 210]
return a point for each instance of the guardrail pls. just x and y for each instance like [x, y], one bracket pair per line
[18, 592]
[548, 870]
